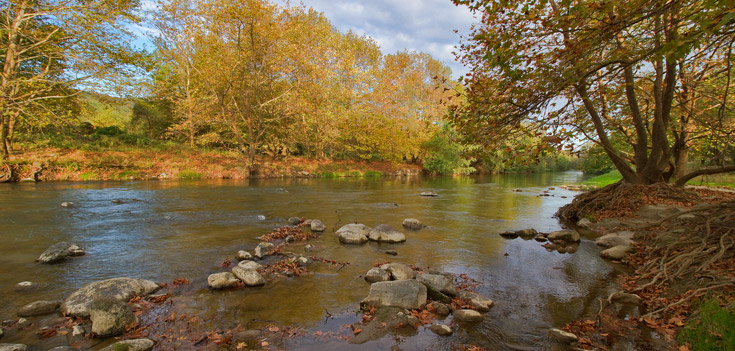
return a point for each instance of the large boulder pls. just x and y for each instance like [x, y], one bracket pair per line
[110, 316]
[615, 239]
[408, 294]
[131, 345]
[399, 271]
[413, 224]
[616, 252]
[386, 234]
[353, 234]
[13, 347]
[317, 226]
[38, 308]
[467, 316]
[250, 277]
[122, 289]
[439, 282]
[569, 236]
[222, 280]
[377, 275]
[58, 252]
[262, 249]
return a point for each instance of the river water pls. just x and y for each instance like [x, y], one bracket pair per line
[162, 230]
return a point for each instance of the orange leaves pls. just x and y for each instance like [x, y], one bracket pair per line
[425, 316]
[226, 263]
[284, 232]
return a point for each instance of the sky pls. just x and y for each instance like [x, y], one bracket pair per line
[421, 25]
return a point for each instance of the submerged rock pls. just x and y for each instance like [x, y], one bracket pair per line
[399, 271]
[441, 329]
[413, 224]
[353, 234]
[570, 236]
[468, 316]
[408, 294]
[26, 286]
[67, 204]
[386, 234]
[13, 347]
[60, 251]
[391, 252]
[110, 316]
[304, 261]
[250, 277]
[317, 226]
[294, 220]
[262, 249]
[377, 275]
[38, 308]
[131, 345]
[429, 193]
[562, 336]
[121, 289]
[481, 303]
[222, 280]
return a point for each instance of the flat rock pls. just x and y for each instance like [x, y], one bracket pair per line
[26, 286]
[527, 233]
[441, 329]
[657, 212]
[222, 280]
[250, 277]
[38, 308]
[249, 264]
[625, 298]
[438, 282]
[353, 234]
[570, 236]
[540, 238]
[408, 294]
[616, 252]
[429, 193]
[59, 251]
[132, 345]
[510, 234]
[615, 239]
[386, 234]
[262, 249]
[317, 226]
[481, 303]
[304, 261]
[243, 255]
[399, 271]
[122, 289]
[13, 347]
[467, 316]
[377, 275]
[294, 220]
[562, 336]
[413, 224]
[110, 316]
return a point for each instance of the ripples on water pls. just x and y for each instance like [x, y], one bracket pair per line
[169, 229]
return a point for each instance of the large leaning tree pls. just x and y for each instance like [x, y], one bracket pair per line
[647, 80]
[49, 49]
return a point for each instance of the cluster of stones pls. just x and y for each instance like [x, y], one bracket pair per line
[397, 285]
[562, 241]
[358, 234]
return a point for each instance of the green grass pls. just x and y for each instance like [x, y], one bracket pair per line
[714, 331]
[726, 179]
[88, 176]
[372, 174]
[190, 175]
[604, 179]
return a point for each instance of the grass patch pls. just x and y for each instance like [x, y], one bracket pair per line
[714, 331]
[604, 179]
[372, 174]
[725, 179]
[89, 176]
[190, 175]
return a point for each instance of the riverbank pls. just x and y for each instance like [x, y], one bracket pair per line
[682, 254]
[136, 163]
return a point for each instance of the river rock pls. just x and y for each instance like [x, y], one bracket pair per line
[249, 265]
[131, 345]
[246, 335]
[250, 277]
[442, 309]
[13, 347]
[625, 298]
[562, 336]
[122, 289]
[386, 234]
[78, 330]
[527, 233]
[408, 294]
[615, 239]
[262, 249]
[616, 252]
[438, 282]
[413, 224]
[26, 286]
[429, 193]
[441, 329]
[657, 212]
[67, 204]
[222, 280]
[399, 271]
[110, 316]
[467, 316]
[391, 252]
[22, 323]
[317, 226]
[63, 348]
[294, 220]
[510, 234]
[38, 308]
[570, 236]
[481, 303]
[377, 275]
[243, 255]
[540, 238]
[353, 234]
[304, 261]
[60, 251]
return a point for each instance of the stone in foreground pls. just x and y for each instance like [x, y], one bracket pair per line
[110, 316]
[386, 234]
[408, 294]
[38, 308]
[441, 329]
[222, 280]
[353, 234]
[250, 277]
[59, 251]
[262, 249]
[317, 226]
[570, 236]
[413, 224]
[438, 282]
[377, 275]
[131, 345]
[467, 316]
[399, 271]
[122, 289]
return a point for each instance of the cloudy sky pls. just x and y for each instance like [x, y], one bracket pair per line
[421, 25]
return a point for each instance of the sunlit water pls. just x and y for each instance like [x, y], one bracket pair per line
[170, 229]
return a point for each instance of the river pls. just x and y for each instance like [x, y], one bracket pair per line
[162, 230]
